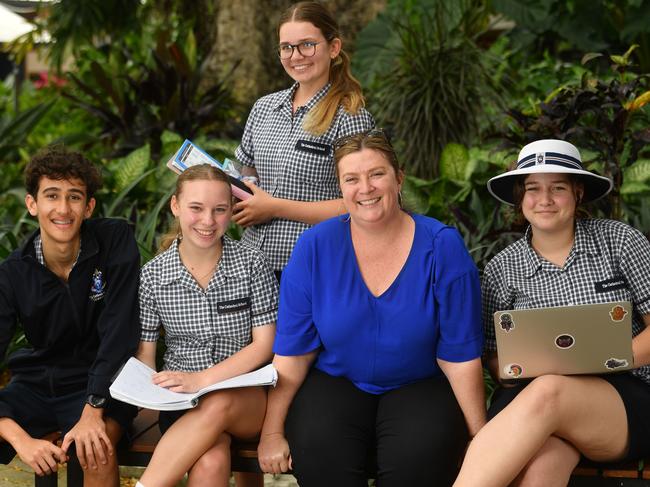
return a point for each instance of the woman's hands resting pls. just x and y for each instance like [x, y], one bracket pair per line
[273, 453]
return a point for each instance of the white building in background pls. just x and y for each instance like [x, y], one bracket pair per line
[12, 25]
[15, 16]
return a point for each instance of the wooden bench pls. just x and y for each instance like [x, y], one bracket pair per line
[244, 459]
[145, 437]
[632, 474]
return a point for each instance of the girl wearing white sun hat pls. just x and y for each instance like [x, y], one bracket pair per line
[539, 430]
[549, 156]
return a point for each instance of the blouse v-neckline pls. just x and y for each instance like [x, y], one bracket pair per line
[357, 268]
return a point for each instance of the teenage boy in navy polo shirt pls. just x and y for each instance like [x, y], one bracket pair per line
[73, 288]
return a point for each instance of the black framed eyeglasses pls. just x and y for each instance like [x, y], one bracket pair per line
[305, 48]
[368, 134]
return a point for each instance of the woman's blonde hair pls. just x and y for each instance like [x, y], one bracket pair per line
[375, 139]
[345, 90]
[202, 172]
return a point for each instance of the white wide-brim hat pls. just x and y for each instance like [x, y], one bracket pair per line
[549, 156]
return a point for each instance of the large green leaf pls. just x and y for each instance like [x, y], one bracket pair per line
[132, 167]
[637, 172]
[453, 162]
[13, 132]
[634, 187]
[111, 207]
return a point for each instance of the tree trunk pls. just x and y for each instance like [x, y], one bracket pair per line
[246, 33]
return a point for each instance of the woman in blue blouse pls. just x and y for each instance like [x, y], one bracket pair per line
[386, 307]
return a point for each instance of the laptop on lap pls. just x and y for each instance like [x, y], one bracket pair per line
[566, 340]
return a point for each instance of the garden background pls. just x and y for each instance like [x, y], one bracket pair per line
[459, 84]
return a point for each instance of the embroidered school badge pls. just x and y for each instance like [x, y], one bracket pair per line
[98, 286]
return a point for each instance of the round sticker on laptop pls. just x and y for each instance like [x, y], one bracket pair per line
[513, 370]
[564, 341]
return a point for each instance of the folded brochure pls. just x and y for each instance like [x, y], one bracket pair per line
[133, 385]
[191, 154]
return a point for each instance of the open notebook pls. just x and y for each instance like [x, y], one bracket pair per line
[133, 385]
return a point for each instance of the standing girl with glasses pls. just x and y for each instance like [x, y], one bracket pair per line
[288, 138]
[216, 300]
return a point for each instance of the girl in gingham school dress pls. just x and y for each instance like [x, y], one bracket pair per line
[540, 429]
[288, 138]
[216, 299]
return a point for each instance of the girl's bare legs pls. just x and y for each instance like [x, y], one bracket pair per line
[587, 412]
[551, 466]
[213, 467]
[239, 412]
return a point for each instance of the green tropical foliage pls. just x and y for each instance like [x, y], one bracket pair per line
[576, 26]
[459, 197]
[461, 85]
[158, 93]
[14, 130]
[428, 80]
[607, 117]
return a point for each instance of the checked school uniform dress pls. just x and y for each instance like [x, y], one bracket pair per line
[609, 261]
[204, 327]
[292, 163]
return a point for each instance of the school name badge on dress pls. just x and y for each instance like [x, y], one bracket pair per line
[98, 286]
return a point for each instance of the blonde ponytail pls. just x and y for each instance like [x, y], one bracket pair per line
[168, 238]
[345, 91]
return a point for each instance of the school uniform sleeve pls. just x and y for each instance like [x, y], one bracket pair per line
[457, 291]
[118, 325]
[149, 315]
[245, 153]
[635, 266]
[491, 301]
[296, 332]
[264, 293]
[353, 124]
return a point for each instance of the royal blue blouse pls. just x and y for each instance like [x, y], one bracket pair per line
[432, 309]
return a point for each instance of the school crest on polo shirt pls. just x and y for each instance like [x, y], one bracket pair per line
[97, 287]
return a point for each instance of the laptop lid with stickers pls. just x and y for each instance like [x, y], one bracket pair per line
[581, 339]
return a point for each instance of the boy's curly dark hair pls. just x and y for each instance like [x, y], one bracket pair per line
[57, 162]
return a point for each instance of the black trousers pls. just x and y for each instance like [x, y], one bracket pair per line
[340, 435]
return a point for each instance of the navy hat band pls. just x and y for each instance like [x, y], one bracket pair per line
[545, 158]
